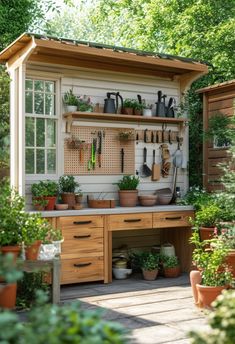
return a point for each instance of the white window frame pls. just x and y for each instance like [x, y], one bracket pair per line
[57, 117]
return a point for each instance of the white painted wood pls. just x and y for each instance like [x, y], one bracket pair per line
[21, 129]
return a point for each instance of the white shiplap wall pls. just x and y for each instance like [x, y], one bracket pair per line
[96, 84]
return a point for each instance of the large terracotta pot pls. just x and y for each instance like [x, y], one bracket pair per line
[207, 294]
[230, 260]
[8, 295]
[150, 275]
[51, 202]
[128, 198]
[206, 233]
[195, 278]
[32, 251]
[14, 249]
[69, 198]
[172, 272]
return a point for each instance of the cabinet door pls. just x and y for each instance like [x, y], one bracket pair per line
[172, 219]
[130, 221]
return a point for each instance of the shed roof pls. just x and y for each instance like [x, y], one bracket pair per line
[53, 50]
[217, 86]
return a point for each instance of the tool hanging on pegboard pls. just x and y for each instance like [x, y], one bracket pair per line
[166, 165]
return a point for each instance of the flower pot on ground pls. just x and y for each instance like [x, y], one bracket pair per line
[149, 264]
[70, 101]
[171, 266]
[67, 187]
[128, 193]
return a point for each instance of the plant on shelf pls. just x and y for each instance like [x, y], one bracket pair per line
[128, 106]
[138, 108]
[47, 190]
[214, 272]
[70, 100]
[67, 187]
[149, 264]
[171, 266]
[84, 104]
[147, 109]
[128, 193]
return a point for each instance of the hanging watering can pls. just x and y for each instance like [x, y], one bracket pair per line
[111, 104]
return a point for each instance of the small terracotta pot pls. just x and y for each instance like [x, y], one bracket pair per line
[206, 233]
[127, 111]
[172, 272]
[68, 198]
[195, 278]
[8, 296]
[15, 250]
[137, 112]
[150, 275]
[128, 198]
[207, 294]
[51, 202]
[32, 251]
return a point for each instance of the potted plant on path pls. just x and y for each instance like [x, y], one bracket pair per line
[171, 267]
[67, 187]
[149, 264]
[128, 193]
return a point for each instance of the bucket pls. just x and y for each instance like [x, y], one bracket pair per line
[167, 249]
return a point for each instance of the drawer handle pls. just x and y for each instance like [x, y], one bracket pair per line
[81, 236]
[81, 265]
[132, 220]
[82, 222]
[173, 218]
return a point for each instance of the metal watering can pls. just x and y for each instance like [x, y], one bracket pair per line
[111, 104]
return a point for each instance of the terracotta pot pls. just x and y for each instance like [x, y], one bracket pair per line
[8, 295]
[78, 199]
[32, 251]
[172, 272]
[137, 112]
[230, 261]
[195, 278]
[38, 206]
[150, 275]
[51, 202]
[128, 198]
[127, 111]
[68, 198]
[15, 250]
[206, 233]
[207, 294]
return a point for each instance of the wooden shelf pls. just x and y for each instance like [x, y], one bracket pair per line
[72, 116]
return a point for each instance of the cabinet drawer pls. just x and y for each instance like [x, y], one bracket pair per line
[171, 219]
[130, 221]
[80, 222]
[82, 242]
[86, 269]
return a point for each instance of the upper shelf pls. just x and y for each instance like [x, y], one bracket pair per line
[71, 116]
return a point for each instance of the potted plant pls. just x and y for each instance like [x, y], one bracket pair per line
[228, 237]
[10, 273]
[207, 219]
[84, 104]
[149, 264]
[128, 193]
[78, 197]
[171, 267]
[215, 274]
[67, 187]
[38, 192]
[50, 193]
[70, 101]
[138, 108]
[147, 110]
[56, 237]
[128, 106]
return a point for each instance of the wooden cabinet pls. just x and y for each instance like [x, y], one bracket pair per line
[131, 221]
[82, 256]
[171, 219]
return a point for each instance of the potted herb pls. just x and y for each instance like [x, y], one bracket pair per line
[10, 273]
[138, 108]
[67, 186]
[71, 101]
[171, 266]
[47, 190]
[128, 106]
[128, 193]
[38, 192]
[149, 264]
[207, 219]
[84, 104]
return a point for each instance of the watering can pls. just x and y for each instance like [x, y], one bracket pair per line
[111, 104]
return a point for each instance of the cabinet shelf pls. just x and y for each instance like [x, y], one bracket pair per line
[74, 116]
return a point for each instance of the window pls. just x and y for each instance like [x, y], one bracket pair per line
[40, 126]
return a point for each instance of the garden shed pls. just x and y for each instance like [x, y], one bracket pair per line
[217, 99]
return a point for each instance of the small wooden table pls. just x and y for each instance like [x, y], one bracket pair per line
[52, 265]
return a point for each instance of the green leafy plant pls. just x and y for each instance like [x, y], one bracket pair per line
[67, 184]
[84, 103]
[208, 216]
[40, 202]
[169, 261]
[128, 183]
[197, 197]
[228, 235]
[138, 106]
[221, 322]
[129, 103]
[70, 98]
[55, 235]
[147, 260]
[9, 269]
[45, 188]
[34, 228]
[53, 324]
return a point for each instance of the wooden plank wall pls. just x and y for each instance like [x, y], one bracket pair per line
[219, 100]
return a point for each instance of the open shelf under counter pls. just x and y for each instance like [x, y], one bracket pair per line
[70, 117]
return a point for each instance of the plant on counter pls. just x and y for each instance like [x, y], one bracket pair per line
[47, 190]
[84, 104]
[68, 186]
[70, 99]
[197, 197]
[128, 193]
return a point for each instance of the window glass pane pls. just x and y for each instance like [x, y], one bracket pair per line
[39, 85]
[51, 133]
[29, 102]
[51, 161]
[39, 103]
[29, 84]
[50, 104]
[29, 132]
[49, 86]
[40, 132]
[40, 161]
[29, 161]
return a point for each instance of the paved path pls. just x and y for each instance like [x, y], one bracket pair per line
[161, 311]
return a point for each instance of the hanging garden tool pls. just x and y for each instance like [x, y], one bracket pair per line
[100, 148]
[156, 168]
[145, 170]
[165, 154]
[122, 160]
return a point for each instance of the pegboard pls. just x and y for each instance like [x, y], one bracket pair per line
[76, 163]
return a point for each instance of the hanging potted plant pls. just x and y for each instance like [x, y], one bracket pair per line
[128, 193]
[70, 101]
[67, 187]
[171, 267]
[10, 273]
